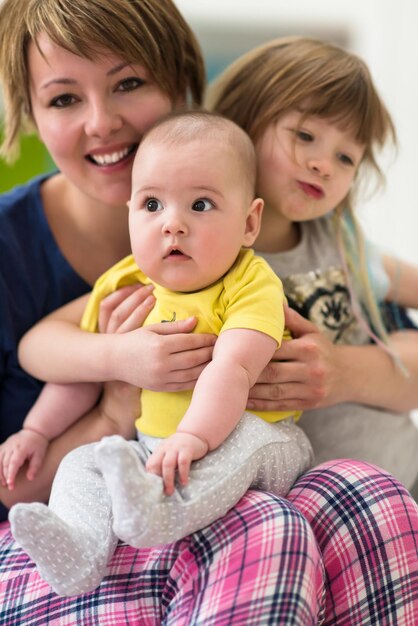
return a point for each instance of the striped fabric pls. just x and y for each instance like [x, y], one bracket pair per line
[261, 564]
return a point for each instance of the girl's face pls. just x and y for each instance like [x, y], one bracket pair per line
[91, 115]
[305, 167]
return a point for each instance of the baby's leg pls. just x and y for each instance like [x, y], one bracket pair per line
[256, 454]
[71, 540]
[135, 493]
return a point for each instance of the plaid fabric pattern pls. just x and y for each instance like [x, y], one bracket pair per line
[260, 564]
[366, 525]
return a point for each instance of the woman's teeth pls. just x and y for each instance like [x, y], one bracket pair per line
[109, 159]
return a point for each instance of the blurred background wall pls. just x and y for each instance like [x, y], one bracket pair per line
[383, 32]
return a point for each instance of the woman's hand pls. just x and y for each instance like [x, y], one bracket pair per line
[166, 357]
[159, 357]
[126, 309]
[304, 372]
[162, 357]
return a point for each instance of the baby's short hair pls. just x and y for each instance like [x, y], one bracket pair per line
[197, 125]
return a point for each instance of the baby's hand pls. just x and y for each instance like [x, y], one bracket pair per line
[176, 454]
[26, 445]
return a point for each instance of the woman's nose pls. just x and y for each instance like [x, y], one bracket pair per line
[103, 119]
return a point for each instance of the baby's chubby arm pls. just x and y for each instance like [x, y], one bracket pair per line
[219, 400]
[56, 409]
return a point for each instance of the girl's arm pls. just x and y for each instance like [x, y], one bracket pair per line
[161, 357]
[218, 401]
[310, 372]
[403, 282]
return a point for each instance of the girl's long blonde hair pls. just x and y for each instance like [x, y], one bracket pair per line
[327, 81]
[149, 32]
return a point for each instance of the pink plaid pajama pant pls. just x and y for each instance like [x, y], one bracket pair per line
[341, 550]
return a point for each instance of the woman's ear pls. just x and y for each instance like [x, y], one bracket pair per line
[253, 222]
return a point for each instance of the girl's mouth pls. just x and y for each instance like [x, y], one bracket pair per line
[313, 191]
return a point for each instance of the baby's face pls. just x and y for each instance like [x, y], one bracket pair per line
[188, 212]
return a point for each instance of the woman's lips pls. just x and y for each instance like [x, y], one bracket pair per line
[313, 191]
[111, 159]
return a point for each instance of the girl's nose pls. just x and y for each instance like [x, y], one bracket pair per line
[320, 166]
[102, 120]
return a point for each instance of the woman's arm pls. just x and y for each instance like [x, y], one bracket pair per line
[161, 357]
[310, 372]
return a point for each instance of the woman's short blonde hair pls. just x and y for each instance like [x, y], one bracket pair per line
[150, 32]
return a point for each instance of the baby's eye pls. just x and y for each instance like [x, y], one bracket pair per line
[202, 205]
[303, 135]
[345, 159]
[152, 205]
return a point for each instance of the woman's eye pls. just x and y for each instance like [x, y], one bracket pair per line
[130, 84]
[345, 159]
[62, 101]
[152, 205]
[303, 135]
[202, 205]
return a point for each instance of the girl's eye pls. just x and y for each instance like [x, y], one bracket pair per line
[130, 84]
[303, 135]
[152, 205]
[202, 205]
[345, 159]
[62, 101]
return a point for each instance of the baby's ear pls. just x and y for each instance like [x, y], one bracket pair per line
[253, 222]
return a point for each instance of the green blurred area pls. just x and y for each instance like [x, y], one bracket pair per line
[33, 160]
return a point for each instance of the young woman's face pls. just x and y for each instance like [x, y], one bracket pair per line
[91, 115]
[305, 167]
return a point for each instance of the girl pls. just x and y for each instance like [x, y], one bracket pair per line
[92, 76]
[316, 120]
